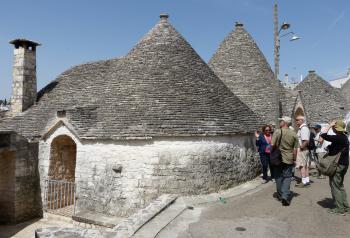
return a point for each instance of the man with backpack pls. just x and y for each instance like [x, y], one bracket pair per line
[286, 141]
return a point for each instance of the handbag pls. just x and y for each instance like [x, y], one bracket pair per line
[276, 155]
[328, 164]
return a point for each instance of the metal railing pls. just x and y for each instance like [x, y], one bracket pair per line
[58, 194]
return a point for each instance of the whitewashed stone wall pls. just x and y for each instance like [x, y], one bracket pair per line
[118, 177]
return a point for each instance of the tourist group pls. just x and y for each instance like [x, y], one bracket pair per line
[290, 153]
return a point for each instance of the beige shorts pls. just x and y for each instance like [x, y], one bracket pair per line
[302, 158]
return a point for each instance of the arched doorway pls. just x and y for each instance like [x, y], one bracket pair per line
[299, 112]
[62, 159]
[60, 185]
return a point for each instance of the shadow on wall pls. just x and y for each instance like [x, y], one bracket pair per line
[19, 179]
[63, 158]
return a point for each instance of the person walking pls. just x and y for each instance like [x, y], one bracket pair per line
[286, 140]
[263, 143]
[302, 162]
[321, 146]
[339, 144]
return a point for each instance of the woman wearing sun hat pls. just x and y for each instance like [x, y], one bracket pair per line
[340, 144]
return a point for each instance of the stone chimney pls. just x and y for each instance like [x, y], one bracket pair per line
[24, 87]
[286, 79]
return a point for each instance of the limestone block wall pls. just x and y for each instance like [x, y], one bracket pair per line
[7, 185]
[27, 203]
[19, 180]
[117, 178]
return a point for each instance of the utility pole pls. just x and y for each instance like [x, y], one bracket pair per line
[276, 43]
[276, 58]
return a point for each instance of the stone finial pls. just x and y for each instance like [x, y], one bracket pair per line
[239, 24]
[164, 16]
[312, 71]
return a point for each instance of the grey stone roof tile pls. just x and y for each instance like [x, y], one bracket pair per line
[345, 91]
[322, 102]
[241, 65]
[160, 88]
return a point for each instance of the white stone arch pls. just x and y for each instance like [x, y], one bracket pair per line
[58, 128]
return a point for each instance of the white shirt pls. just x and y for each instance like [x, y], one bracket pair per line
[321, 147]
[303, 133]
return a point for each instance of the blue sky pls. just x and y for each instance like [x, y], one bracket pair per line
[74, 32]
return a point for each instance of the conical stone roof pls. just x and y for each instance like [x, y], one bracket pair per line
[243, 68]
[322, 102]
[345, 91]
[160, 88]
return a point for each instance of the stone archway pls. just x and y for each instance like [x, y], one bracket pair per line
[62, 159]
[60, 186]
[299, 112]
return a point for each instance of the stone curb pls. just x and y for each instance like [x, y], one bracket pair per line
[215, 197]
[191, 201]
[132, 224]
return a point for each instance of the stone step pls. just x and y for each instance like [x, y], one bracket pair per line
[132, 224]
[154, 226]
[96, 218]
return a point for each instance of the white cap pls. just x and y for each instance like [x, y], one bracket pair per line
[287, 120]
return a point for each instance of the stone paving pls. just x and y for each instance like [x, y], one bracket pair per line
[248, 210]
[27, 229]
[257, 214]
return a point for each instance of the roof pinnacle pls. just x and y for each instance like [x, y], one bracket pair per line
[164, 16]
[239, 24]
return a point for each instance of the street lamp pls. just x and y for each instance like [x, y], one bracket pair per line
[284, 26]
[277, 37]
[293, 38]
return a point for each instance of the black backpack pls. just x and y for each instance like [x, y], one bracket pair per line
[311, 145]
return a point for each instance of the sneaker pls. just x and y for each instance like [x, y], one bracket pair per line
[263, 181]
[336, 211]
[285, 202]
[321, 177]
